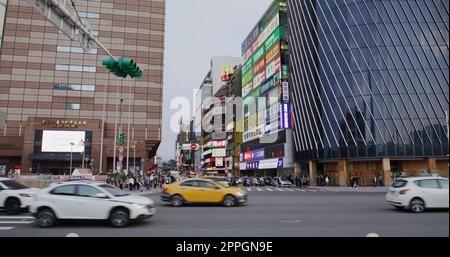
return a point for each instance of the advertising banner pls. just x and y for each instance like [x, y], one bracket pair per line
[221, 152]
[259, 79]
[219, 162]
[258, 154]
[248, 156]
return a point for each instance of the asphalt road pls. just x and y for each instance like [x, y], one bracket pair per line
[267, 214]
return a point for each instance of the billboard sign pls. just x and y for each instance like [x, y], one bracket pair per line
[221, 152]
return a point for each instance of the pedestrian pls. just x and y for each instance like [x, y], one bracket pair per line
[327, 181]
[131, 183]
[374, 180]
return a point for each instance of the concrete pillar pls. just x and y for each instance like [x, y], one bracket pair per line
[431, 164]
[298, 169]
[313, 172]
[343, 174]
[386, 164]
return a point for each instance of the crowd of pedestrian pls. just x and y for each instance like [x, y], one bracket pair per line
[140, 183]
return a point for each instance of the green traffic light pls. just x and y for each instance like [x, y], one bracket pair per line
[123, 67]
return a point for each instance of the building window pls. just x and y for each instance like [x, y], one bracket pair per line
[89, 15]
[68, 49]
[64, 67]
[74, 87]
[72, 106]
[94, 32]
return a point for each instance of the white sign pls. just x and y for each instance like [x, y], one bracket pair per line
[54, 141]
[268, 164]
[219, 152]
[219, 162]
[55, 17]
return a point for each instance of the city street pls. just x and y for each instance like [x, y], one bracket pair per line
[270, 212]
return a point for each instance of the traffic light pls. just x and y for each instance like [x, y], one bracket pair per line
[129, 66]
[121, 138]
[123, 67]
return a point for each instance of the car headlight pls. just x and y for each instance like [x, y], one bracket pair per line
[26, 195]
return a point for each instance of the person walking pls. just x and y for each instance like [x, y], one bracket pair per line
[327, 181]
[374, 180]
[131, 183]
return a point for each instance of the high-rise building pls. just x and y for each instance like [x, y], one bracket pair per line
[213, 134]
[370, 88]
[267, 136]
[53, 94]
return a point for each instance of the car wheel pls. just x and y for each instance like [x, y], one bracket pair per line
[45, 218]
[12, 206]
[119, 218]
[176, 201]
[229, 201]
[417, 205]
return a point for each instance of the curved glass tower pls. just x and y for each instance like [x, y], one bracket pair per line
[370, 78]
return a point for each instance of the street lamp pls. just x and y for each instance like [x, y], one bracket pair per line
[71, 151]
[83, 143]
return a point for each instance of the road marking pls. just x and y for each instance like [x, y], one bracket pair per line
[312, 190]
[301, 190]
[270, 190]
[291, 221]
[72, 235]
[16, 217]
[289, 190]
[259, 189]
[16, 222]
[373, 235]
[6, 228]
[279, 189]
[249, 189]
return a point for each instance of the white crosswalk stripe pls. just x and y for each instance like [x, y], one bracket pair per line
[16, 218]
[259, 189]
[16, 222]
[6, 228]
[269, 189]
[279, 189]
[289, 190]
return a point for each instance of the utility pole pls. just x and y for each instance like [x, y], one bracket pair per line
[128, 128]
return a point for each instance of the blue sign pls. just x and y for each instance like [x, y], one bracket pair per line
[258, 154]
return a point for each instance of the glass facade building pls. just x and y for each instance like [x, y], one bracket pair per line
[370, 79]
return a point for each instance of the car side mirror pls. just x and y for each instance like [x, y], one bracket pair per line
[101, 195]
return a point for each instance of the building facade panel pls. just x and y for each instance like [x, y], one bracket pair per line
[44, 74]
[370, 78]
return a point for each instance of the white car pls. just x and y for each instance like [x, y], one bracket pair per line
[89, 200]
[281, 182]
[14, 196]
[419, 193]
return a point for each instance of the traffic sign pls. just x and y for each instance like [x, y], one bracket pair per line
[195, 147]
[85, 40]
[192, 147]
[55, 17]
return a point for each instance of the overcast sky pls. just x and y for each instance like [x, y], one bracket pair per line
[196, 30]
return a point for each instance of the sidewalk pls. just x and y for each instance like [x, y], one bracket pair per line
[349, 189]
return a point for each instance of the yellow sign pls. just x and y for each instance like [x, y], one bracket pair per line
[227, 72]
[65, 123]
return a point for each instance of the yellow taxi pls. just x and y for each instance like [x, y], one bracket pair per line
[200, 190]
[221, 180]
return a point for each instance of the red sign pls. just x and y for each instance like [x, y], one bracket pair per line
[195, 147]
[273, 52]
[248, 156]
[259, 66]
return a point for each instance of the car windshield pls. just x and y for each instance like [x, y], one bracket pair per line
[13, 185]
[400, 183]
[114, 191]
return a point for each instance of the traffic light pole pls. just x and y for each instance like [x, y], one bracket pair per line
[77, 23]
